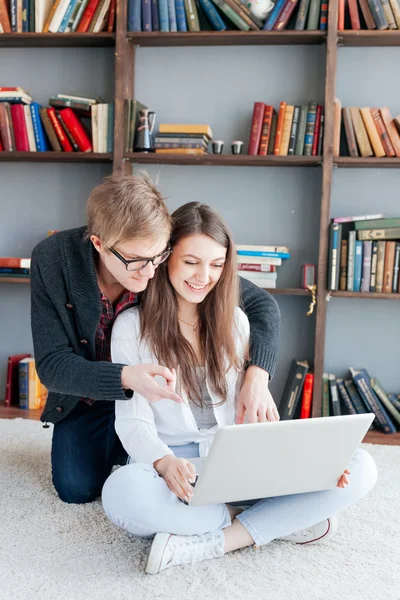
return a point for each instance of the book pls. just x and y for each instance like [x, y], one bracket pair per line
[23, 370]
[349, 131]
[344, 395]
[358, 261]
[255, 268]
[343, 266]
[383, 397]
[286, 130]
[310, 128]
[335, 404]
[372, 132]
[306, 400]
[256, 128]
[293, 388]
[261, 283]
[354, 396]
[15, 263]
[388, 267]
[49, 129]
[376, 222]
[334, 256]
[242, 249]
[294, 130]
[366, 266]
[279, 127]
[382, 131]
[363, 384]
[76, 129]
[182, 128]
[325, 396]
[351, 248]
[361, 133]
[12, 381]
[299, 146]
[265, 130]
[380, 264]
[337, 114]
[389, 233]
[259, 260]
[391, 129]
[396, 269]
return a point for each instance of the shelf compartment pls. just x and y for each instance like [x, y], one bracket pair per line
[59, 40]
[73, 157]
[359, 162]
[227, 38]
[366, 295]
[368, 38]
[15, 280]
[234, 160]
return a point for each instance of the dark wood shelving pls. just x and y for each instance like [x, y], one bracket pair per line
[359, 162]
[368, 38]
[59, 40]
[73, 157]
[226, 160]
[288, 291]
[15, 280]
[367, 295]
[227, 38]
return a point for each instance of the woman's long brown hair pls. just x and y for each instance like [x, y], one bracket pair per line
[159, 310]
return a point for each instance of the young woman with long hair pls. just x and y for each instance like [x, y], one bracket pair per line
[190, 322]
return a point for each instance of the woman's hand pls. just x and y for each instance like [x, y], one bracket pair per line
[255, 400]
[177, 473]
[140, 379]
[343, 481]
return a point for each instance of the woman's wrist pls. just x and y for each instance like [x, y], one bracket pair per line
[161, 464]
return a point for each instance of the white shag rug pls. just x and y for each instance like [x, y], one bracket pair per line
[53, 551]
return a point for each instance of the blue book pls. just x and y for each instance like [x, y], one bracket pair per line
[38, 129]
[25, 16]
[146, 15]
[67, 16]
[23, 367]
[212, 15]
[110, 128]
[266, 254]
[155, 20]
[180, 15]
[172, 15]
[273, 15]
[135, 15]
[163, 15]
[371, 401]
[358, 259]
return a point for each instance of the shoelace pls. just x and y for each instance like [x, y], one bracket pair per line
[197, 547]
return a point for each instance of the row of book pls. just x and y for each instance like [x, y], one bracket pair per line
[357, 393]
[259, 264]
[364, 255]
[57, 16]
[366, 132]
[294, 130]
[373, 14]
[18, 268]
[220, 15]
[183, 139]
[23, 386]
[69, 124]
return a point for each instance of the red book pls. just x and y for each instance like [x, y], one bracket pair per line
[341, 15]
[12, 389]
[64, 141]
[4, 17]
[265, 131]
[306, 400]
[76, 129]
[256, 128]
[87, 16]
[1, 145]
[15, 263]
[19, 126]
[111, 16]
[285, 15]
[254, 267]
[314, 150]
[354, 16]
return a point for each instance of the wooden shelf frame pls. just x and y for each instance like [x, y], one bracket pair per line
[56, 40]
[364, 38]
[360, 162]
[226, 38]
[218, 160]
[70, 157]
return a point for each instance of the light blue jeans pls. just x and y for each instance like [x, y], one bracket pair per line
[138, 500]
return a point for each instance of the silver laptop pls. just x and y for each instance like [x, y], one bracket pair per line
[262, 460]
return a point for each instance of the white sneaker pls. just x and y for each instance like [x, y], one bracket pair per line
[170, 550]
[315, 534]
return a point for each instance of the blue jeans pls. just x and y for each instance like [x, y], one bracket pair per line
[84, 449]
[136, 499]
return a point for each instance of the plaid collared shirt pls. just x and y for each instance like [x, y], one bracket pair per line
[103, 332]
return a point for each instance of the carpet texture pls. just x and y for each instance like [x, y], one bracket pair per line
[50, 550]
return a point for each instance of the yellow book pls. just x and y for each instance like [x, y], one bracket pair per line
[180, 128]
[37, 391]
[361, 133]
[200, 151]
[337, 117]
[286, 131]
[372, 132]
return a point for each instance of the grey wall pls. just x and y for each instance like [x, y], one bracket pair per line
[365, 333]
[278, 206]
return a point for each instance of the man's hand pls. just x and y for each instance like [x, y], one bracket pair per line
[255, 400]
[178, 473]
[140, 379]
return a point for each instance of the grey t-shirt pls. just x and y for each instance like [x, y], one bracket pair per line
[204, 415]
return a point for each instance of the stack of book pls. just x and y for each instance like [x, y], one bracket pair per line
[293, 130]
[183, 139]
[18, 268]
[259, 264]
[23, 386]
[296, 400]
[370, 14]
[364, 254]
[57, 16]
[366, 132]
[69, 124]
[220, 15]
[357, 394]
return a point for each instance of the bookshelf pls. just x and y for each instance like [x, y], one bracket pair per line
[126, 43]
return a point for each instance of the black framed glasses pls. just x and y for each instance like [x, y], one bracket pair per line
[137, 264]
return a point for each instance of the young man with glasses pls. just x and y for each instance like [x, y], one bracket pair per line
[81, 280]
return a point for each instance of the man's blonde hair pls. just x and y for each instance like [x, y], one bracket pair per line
[126, 207]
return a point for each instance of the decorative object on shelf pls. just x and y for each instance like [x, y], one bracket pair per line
[260, 8]
[217, 146]
[144, 132]
[237, 147]
[308, 276]
[313, 290]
